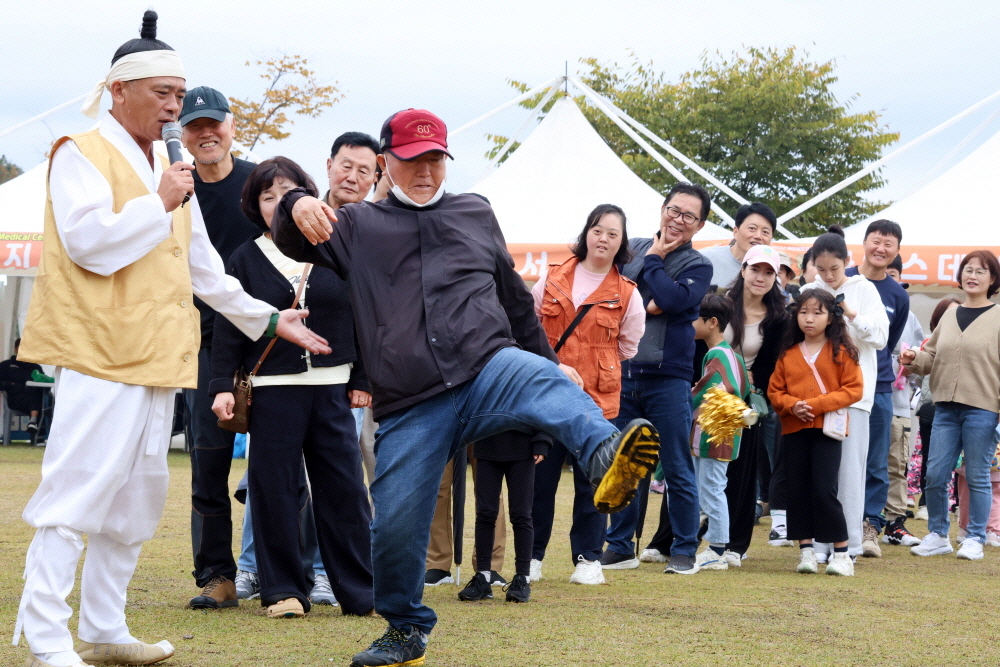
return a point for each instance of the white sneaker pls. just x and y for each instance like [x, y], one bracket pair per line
[971, 549]
[960, 536]
[652, 556]
[822, 557]
[992, 539]
[840, 565]
[536, 570]
[921, 514]
[932, 545]
[732, 558]
[807, 561]
[587, 572]
[709, 560]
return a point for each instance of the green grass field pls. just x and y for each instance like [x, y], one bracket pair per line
[899, 610]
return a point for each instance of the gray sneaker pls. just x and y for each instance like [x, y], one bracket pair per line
[247, 585]
[322, 592]
[681, 564]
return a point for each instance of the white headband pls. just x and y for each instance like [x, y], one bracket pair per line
[141, 65]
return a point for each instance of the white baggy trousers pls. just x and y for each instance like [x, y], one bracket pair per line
[104, 475]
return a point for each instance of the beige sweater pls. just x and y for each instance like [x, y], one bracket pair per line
[964, 365]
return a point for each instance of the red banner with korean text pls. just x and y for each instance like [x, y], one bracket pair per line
[20, 253]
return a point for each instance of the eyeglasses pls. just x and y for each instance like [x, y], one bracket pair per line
[979, 273]
[686, 218]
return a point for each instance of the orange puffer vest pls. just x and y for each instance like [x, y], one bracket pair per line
[592, 348]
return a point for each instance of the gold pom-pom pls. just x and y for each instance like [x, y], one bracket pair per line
[721, 415]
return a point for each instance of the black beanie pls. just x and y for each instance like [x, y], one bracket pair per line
[147, 39]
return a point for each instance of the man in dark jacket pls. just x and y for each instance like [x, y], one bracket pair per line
[438, 308]
[207, 133]
[656, 383]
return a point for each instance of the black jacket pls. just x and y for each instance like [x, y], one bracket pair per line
[330, 316]
[434, 291]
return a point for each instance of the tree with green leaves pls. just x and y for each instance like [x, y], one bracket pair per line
[8, 169]
[291, 88]
[764, 121]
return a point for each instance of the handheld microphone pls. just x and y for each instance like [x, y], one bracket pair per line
[171, 134]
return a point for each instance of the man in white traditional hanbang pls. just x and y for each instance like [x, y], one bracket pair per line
[112, 311]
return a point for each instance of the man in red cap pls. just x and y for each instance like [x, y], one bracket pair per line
[442, 318]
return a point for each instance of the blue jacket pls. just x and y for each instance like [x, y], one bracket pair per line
[897, 309]
[677, 284]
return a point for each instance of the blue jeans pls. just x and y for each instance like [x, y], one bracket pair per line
[877, 467]
[666, 402]
[711, 474]
[516, 390]
[956, 428]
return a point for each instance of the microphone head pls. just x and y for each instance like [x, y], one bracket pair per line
[171, 131]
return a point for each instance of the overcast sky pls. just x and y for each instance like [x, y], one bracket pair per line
[917, 63]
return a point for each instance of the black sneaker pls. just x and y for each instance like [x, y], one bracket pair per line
[518, 590]
[477, 589]
[896, 533]
[681, 564]
[496, 579]
[437, 577]
[395, 647]
[620, 463]
[612, 560]
[32, 427]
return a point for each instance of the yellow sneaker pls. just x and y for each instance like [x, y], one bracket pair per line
[621, 462]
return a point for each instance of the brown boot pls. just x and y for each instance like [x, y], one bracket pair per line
[217, 593]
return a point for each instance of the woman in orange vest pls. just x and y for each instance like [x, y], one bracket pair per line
[592, 322]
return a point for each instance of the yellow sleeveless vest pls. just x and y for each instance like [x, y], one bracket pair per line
[136, 326]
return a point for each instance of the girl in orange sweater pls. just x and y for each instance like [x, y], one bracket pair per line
[817, 345]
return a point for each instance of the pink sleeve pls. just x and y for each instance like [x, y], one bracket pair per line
[538, 293]
[632, 327]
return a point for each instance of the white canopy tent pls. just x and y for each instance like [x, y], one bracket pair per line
[956, 208]
[544, 190]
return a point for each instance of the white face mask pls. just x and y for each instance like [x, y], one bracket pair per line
[401, 196]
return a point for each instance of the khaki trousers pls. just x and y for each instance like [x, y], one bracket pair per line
[440, 551]
[899, 456]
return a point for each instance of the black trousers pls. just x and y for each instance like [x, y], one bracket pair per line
[288, 423]
[25, 399]
[741, 489]
[926, 415]
[211, 460]
[520, 476]
[812, 464]
[778, 495]
[586, 536]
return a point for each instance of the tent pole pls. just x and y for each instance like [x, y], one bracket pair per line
[15, 128]
[829, 192]
[527, 123]
[694, 166]
[593, 97]
[933, 171]
[520, 98]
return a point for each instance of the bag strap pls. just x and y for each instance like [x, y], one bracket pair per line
[572, 325]
[805, 355]
[295, 302]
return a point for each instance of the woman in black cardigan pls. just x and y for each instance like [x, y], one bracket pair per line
[756, 332]
[301, 408]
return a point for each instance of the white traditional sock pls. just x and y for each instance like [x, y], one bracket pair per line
[485, 573]
[128, 639]
[777, 518]
[60, 659]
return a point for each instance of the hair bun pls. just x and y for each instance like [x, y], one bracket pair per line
[836, 229]
[148, 30]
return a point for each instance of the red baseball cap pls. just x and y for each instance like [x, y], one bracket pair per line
[409, 134]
